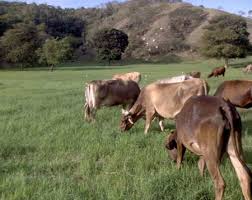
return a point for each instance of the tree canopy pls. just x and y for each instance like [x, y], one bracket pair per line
[55, 51]
[24, 28]
[110, 44]
[19, 43]
[225, 37]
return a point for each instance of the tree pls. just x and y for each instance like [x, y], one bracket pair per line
[55, 51]
[110, 44]
[225, 37]
[19, 43]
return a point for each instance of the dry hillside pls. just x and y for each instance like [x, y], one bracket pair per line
[156, 28]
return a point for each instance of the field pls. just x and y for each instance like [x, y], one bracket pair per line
[47, 151]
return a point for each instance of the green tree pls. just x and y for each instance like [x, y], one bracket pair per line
[55, 51]
[225, 37]
[19, 43]
[110, 44]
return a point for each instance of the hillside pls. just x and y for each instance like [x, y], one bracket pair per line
[156, 28]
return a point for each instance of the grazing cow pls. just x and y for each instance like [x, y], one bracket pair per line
[238, 92]
[194, 74]
[217, 72]
[162, 100]
[209, 126]
[247, 69]
[133, 76]
[175, 79]
[109, 93]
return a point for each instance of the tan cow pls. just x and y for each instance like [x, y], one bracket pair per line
[133, 76]
[247, 69]
[163, 101]
[238, 92]
[175, 79]
[210, 127]
[100, 93]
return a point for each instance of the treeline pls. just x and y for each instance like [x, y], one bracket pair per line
[38, 35]
[29, 32]
[33, 35]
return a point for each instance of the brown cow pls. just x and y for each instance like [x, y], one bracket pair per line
[163, 101]
[133, 76]
[209, 126]
[238, 92]
[109, 93]
[217, 72]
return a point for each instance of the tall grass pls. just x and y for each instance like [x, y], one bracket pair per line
[47, 151]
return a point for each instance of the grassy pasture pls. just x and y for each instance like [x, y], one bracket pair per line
[47, 151]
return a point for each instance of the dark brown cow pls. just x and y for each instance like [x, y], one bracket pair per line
[217, 72]
[109, 93]
[162, 100]
[210, 126]
[238, 92]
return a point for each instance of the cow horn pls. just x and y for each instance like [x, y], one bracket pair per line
[130, 120]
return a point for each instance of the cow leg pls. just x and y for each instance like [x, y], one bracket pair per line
[149, 118]
[180, 153]
[219, 184]
[160, 122]
[201, 165]
[242, 171]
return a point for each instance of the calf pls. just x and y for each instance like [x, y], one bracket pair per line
[238, 92]
[209, 126]
[109, 93]
[217, 72]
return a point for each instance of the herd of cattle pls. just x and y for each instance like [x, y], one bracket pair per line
[208, 126]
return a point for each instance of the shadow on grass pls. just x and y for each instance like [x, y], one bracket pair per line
[94, 65]
[248, 156]
[247, 127]
[8, 151]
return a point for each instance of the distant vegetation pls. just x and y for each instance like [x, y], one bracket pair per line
[226, 37]
[156, 29]
[110, 44]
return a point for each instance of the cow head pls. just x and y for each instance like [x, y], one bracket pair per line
[126, 120]
[171, 145]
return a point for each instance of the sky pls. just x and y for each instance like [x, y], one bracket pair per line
[233, 6]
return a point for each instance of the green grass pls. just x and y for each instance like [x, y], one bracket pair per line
[47, 151]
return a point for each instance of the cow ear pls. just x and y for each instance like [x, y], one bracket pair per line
[125, 112]
[171, 142]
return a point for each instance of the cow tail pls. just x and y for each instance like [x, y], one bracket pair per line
[89, 102]
[206, 87]
[86, 106]
[229, 113]
[210, 75]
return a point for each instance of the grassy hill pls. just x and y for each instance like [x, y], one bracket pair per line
[155, 28]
